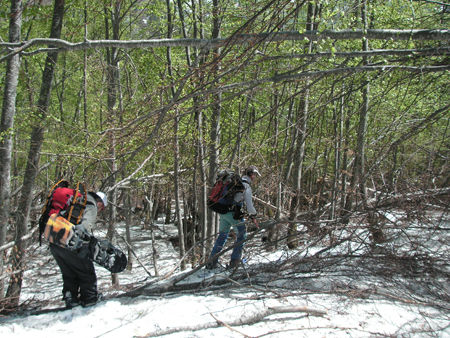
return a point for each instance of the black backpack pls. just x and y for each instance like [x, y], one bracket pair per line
[221, 196]
[67, 203]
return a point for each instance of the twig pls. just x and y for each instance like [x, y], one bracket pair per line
[134, 253]
[11, 244]
[228, 326]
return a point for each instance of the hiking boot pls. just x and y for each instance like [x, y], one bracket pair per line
[70, 300]
[234, 263]
[211, 266]
[92, 301]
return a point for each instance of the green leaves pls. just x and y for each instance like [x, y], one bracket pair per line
[261, 114]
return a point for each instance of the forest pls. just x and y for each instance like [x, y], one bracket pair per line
[341, 104]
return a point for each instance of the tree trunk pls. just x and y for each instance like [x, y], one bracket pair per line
[299, 153]
[113, 97]
[6, 128]
[215, 127]
[359, 169]
[200, 149]
[338, 114]
[129, 220]
[357, 186]
[203, 210]
[375, 227]
[178, 216]
[32, 167]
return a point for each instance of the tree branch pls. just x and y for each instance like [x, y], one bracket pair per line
[444, 50]
[372, 34]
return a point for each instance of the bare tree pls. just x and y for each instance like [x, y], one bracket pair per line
[32, 167]
[300, 140]
[7, 124]
[114, 106]
[214, 124]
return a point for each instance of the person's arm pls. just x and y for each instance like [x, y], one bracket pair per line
[89, 218]
[249, 202]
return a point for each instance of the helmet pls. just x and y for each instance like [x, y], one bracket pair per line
[103, 197]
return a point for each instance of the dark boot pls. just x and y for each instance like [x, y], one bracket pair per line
[211, 265]
[92, 301]
[234, 263]
[71, 300]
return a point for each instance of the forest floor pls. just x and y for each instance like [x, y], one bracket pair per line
[335, 283]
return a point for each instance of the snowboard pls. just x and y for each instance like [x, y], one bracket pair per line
[109, 256]
[61, 232]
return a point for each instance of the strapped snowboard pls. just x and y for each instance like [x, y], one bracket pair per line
[221, 197]
[109, 256]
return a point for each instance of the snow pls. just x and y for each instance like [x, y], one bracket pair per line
[315, 303]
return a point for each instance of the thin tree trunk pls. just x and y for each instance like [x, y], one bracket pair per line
[32, 167]
[215, 127]
[129, 220]
[362, 129]
[178, 216]
[6, 128]
[152, 199]
[197, 17]
[302, 122]
[374, 226]
[203, 210]
[357, 186]
[338, 115]
[113, 77]
[183, 29]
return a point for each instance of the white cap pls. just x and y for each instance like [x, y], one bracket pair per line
[103, 197]
[252, 170]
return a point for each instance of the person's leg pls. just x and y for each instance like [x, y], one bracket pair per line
[236, 255]
[224, 229]
[70, 279]
[218, 245]
[88, 283]
[78, 274]
[86, 276]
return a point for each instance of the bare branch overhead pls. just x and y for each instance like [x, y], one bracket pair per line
[373, 34]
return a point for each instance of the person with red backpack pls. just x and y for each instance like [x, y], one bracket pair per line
[77, 269]
[234, 219]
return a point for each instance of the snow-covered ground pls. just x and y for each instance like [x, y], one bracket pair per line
[296, 301]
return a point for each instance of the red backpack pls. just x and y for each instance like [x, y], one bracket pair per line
[65, 202]
[221, 196]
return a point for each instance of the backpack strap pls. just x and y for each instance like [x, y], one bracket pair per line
[78, 204]
[245, 181]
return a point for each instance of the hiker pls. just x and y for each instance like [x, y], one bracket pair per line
[78, 272]
[234, 219]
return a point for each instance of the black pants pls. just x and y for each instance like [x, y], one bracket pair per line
[78, 274]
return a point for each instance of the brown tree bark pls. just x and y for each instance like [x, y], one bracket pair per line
[299, 152]
[6, 127]
[212, 227]
[114, 106]
[32, 167]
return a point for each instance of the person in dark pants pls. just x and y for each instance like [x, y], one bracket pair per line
[78, 272]
[229, 220]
